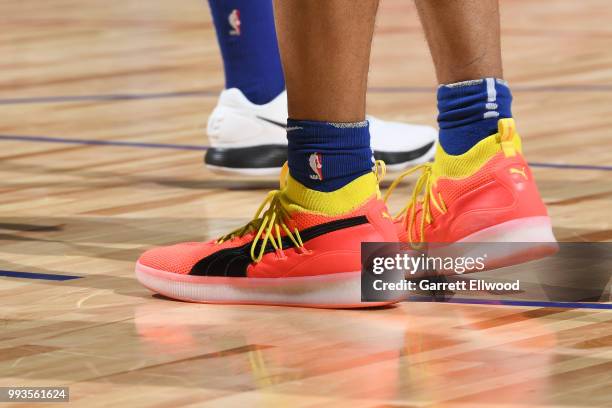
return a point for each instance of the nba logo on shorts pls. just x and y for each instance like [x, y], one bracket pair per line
[234, 21]
[316, 164]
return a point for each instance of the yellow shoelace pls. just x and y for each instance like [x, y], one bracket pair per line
[269, 222]
[421, 193]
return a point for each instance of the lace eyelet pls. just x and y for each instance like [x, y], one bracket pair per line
[280, 255]
[303, 251]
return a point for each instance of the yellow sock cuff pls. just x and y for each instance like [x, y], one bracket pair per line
[298, 197]
[468, 163]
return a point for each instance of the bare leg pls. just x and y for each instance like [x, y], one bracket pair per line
[325, 50]
[463, 37]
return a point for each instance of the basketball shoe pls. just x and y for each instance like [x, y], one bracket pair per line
[251, 139]
[287, 255]
[485, 195]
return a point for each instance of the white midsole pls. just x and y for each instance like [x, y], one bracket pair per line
[528, 229]
[509, 243]
[341, 289]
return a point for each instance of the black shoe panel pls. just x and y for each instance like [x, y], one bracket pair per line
[233, 262]
[253, 157]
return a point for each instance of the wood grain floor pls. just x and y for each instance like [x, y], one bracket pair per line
[102, 112]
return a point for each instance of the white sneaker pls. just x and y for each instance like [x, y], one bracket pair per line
[251, 139]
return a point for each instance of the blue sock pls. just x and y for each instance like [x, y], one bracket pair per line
[469, 111]
[247, 38]
[327, 156]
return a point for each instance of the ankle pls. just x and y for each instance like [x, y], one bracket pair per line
[469, 112]
[326, 156]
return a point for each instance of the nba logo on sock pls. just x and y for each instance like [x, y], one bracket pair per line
[234, 21]
[316, 164]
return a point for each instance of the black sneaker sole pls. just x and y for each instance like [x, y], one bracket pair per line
[274, 156]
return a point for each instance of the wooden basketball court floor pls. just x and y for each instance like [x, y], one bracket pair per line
[103, 106]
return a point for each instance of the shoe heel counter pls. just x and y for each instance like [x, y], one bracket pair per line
[516, 176]
[228, 127]
[511, 190]
[219, 123]
[214, 126]
[511, 194]
[233, 128]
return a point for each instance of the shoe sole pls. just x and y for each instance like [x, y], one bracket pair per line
[531, 237]
[261, 160]
[266, 160]
[334, 291]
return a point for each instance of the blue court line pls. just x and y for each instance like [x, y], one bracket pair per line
[50, 139]
[43, 276]
[534, 303]
[107, 97]
[570, 166]
[91, 142]
[215, 93]
[566, 305]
